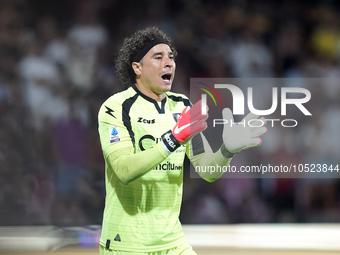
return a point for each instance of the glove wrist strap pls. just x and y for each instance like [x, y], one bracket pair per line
[226, 153]
[169, 142]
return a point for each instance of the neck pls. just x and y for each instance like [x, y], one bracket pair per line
[150, 93]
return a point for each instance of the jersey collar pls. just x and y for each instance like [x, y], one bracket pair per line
[151, 100]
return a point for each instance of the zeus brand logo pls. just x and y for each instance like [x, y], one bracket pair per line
[238, 100]
[142, 120]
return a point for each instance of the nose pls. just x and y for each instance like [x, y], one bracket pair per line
[169, 62]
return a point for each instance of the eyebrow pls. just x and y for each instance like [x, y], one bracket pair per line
[162, 53]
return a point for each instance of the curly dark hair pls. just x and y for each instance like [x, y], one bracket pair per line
[131, 46]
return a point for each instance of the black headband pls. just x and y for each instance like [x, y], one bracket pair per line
[147, 46]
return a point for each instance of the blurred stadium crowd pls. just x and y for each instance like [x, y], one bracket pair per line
[56, 69]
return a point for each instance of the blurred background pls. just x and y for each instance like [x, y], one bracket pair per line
[56, 69]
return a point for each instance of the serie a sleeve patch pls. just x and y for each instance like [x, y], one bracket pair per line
[114, 134]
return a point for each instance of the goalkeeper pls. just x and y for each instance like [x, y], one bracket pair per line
[145, 132]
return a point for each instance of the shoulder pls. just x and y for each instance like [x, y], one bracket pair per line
[178, 98]
[115, 102]
[120, 97]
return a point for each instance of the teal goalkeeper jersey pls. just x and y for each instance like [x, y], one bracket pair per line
[143, 215]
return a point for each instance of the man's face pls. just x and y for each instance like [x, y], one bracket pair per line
[157, 69]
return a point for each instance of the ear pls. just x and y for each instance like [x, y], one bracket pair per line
[137, 68]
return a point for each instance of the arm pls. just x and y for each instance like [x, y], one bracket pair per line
[119, 151]
[236, 137]
[124, 162]
[118, 147]
[208, 158]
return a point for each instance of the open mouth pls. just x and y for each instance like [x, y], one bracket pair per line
[166, 77]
